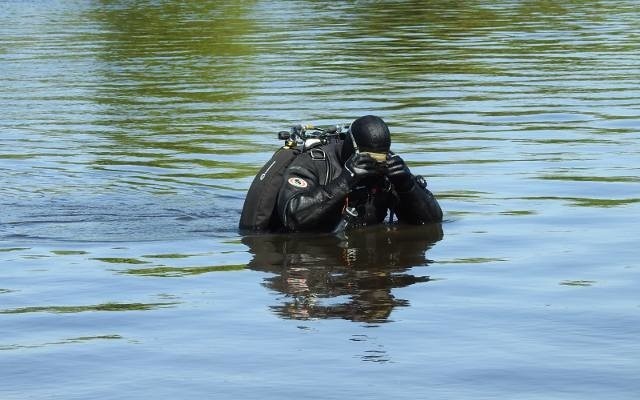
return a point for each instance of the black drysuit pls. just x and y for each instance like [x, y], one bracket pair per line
[315, 194]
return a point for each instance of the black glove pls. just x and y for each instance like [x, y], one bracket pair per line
[360, 166]
[399, 174]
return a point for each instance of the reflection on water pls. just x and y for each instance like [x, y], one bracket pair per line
[119, 307]
[130, 132]
[165, 125]
[343, 277]
[146, 120]
[62, 342]
[168, 271]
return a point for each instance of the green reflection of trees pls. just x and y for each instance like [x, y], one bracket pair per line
[589, 202]
[166, 271]
[96, 307]
[80, 339]
[180, 77]
[398, 40]
[151, 28]
[411, 57]
[173, 74]
[589, 178]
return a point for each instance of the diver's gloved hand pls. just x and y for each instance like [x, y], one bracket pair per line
[399, 174]
[360, 166]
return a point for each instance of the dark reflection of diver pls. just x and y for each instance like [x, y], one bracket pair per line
[343, 276]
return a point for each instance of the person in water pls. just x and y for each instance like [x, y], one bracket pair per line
[355, 181]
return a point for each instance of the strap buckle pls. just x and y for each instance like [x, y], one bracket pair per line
[318, 154]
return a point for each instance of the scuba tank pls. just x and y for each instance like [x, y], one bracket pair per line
[259, 208]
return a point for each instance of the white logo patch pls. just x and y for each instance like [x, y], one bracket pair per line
[298, 182]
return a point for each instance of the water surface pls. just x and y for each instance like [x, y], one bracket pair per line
[130, 132]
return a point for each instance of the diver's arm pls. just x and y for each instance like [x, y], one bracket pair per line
[416, 204]
[304, 204]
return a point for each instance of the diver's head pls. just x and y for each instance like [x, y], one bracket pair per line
[368, 134]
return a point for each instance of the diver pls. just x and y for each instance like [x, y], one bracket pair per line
[357, 181]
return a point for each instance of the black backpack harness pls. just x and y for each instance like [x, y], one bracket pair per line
[259, 209]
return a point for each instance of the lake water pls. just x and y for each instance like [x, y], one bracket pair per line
[130, 132]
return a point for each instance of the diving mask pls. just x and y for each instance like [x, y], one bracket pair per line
[380, 158]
